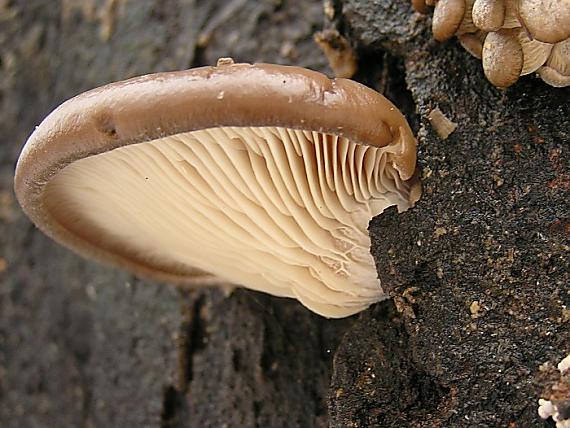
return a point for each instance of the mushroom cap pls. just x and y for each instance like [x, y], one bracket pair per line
[502, 58]
[547, 20]
[473, 42]
[488, 15]
[467, 25]
[556, 71]
[447, 17]
[553, 77]
[511, 14]
[263, 175]
[535, 53]
[420, 6]
[559, 58]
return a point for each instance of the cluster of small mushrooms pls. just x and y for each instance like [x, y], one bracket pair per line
[513, 38]
[262, 175]
[557, 406]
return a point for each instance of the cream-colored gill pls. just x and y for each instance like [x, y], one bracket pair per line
[277, 210]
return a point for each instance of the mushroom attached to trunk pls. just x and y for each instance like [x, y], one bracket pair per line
[262, 175]
[489, 15]
[547, 20]
[502, 58]
[447, 17]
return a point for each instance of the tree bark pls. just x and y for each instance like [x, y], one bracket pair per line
[82, 345]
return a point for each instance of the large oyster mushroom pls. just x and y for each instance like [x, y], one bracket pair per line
[262, 175]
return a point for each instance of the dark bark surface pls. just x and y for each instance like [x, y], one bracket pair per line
[83, 345]
[479, 268]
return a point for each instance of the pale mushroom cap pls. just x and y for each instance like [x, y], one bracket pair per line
[553, 77]
[559, 58]
[473, 42]
[488, 15]
[502, 58]
[262, 175]
[564, 365]
[535, 53]
[447, 17]
[511, 14]
[547, 20]
[467, 25]
[556, 71]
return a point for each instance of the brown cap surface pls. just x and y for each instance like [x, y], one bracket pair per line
[502, 58]
[447, 17]
[547, 20]
[488, 15]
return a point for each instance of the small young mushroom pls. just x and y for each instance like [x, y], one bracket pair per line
[488, 15]
[502, 58]
[420, 6]
[557, 403]
[547, 20]
[467, 25]
[447, 17]
[536, 24]
[535, 53]
[262, 175]
[473, 42]
[511, 14]
[556, 71]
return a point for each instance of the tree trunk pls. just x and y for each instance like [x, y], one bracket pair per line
[479, 269]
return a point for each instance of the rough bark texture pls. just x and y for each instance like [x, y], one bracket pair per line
[82, 345]
[479, 269]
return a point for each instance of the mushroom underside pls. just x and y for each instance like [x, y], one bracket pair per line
[279, 210]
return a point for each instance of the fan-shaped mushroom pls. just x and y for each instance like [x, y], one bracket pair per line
[473, 42]
[502, 58]
[535, 24]
[263, 175]
[447, 17]
[547, 20]
[488, 15]
[556, 71]
[535, 53]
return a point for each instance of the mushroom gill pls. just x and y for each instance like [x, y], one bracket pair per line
[283, 211]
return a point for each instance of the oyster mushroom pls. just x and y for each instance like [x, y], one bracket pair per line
[502, 58]
[556, 71]
[547, 20]
[488, 15]
[521, 34]
[511, 14]
[473, 42]
[535, 53]
[447, 17]
[262, 175]
[420, 6]
[467, 25]
[341, 56]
